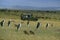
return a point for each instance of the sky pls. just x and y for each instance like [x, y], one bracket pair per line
[32, 3]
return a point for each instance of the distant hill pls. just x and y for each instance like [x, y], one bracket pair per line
[33, 8]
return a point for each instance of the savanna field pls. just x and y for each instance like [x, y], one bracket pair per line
[10, 33]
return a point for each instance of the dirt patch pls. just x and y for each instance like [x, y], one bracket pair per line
[58, 30]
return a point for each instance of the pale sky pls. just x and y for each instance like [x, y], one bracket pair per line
[33, 3]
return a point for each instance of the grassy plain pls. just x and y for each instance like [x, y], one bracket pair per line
[10, 33]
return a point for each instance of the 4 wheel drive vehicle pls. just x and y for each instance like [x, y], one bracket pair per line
[28, 17]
